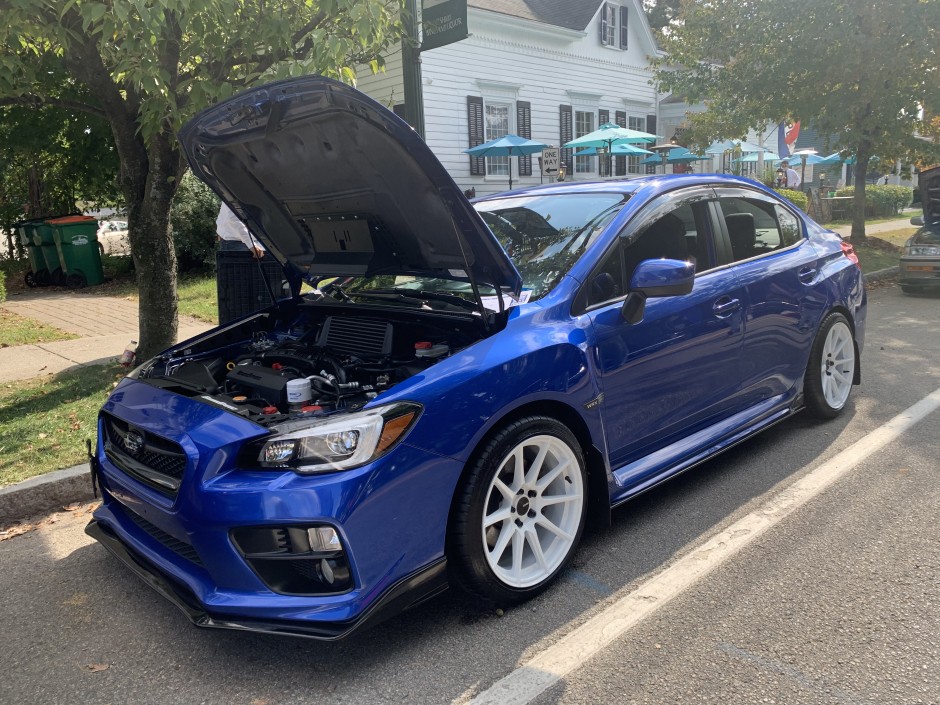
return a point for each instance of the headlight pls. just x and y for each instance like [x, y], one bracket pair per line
[924, 250]
[338, 442]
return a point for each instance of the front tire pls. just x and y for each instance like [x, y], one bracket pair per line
[520, 511]
[831, 371]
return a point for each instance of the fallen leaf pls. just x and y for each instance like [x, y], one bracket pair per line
[17, 530]
[72, 507]
[95, 667]
[42, 435]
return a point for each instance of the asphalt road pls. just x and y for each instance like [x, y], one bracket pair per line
[839, 603]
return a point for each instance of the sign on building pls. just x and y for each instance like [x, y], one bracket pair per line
[443, 22]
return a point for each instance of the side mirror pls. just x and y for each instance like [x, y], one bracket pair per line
[656, 277]
[917, 220]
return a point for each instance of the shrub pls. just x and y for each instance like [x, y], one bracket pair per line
[883, 200]
[797, 198]
[193, 215]
[3, 286]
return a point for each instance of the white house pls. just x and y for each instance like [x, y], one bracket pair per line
[550, 70]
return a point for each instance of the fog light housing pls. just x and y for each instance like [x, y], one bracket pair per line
[296, 560]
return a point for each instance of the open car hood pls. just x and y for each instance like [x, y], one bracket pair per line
[334, 184]
[929, 183]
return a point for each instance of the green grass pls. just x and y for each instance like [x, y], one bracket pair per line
[197, 295]
[17, 330]
[872, 259]
[895, 237]
[44, 421]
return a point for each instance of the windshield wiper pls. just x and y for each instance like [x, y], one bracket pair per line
[444, 296]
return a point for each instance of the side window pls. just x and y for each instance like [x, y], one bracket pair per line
[682, 233]
[790, 231]
[754, 229]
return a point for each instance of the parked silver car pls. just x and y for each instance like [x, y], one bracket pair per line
[920, 260]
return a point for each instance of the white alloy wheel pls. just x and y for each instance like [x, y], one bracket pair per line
[532, 511]
[837, 365]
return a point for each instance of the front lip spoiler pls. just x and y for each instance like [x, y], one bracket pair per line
[406, 593]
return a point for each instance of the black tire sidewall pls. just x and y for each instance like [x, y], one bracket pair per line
[815, 399]
[466, 554]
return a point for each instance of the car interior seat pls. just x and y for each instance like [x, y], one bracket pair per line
[664, 239]
[742, 233]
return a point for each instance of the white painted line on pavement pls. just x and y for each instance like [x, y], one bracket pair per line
[554, 663]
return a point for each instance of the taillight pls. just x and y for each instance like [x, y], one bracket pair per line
[849, 252]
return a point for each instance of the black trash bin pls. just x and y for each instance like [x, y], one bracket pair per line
[240, 283]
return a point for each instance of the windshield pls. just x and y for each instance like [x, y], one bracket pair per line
[544, 235]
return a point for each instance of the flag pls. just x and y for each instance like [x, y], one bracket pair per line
[786, 138]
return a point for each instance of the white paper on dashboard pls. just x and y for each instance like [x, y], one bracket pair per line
[492, 302]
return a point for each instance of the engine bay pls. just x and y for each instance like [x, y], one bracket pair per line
[304, 358]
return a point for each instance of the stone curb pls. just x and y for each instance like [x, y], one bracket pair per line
[61, 487]
[39, 495]
[885, 273]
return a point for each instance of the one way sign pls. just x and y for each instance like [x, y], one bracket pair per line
[550, 159]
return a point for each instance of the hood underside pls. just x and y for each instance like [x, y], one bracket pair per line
[334, 184]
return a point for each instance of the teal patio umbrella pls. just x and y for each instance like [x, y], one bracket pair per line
[506, 146]
[608, 135]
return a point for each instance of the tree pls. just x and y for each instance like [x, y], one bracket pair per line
[149, 65]
[660, 13]
[50, 158]
[859, 70]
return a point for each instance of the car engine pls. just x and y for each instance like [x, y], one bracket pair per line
[288, 366]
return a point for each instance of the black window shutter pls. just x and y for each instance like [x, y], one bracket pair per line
[564, 120]
[620, 165]
[603, 164]
[604, 23]
[524, 129]
[475, 127]
[624, 28]
[651, 128]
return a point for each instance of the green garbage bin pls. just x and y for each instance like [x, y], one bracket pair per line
[76, 239]
[38, 274]
[44, 238]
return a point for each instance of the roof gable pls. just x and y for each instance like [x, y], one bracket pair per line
[570, 14]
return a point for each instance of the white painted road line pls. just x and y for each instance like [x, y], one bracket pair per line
[547, 668]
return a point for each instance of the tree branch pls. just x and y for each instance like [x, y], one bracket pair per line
[37, 101]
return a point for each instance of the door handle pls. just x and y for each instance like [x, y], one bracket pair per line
[807, 275]
[725, 306]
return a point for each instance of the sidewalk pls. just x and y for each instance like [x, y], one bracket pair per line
[104, 324]
[903, 221]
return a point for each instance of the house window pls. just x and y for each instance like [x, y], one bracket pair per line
[614, 26]
[583, 123]
[497, 125]
[633, 163]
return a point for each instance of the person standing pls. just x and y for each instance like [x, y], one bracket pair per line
[793, 179]
[234, 236]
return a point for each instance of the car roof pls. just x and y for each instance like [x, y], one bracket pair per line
[656, 182]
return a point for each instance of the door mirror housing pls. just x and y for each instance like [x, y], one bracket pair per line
[917, 220]
[663, 277]
[656, 277]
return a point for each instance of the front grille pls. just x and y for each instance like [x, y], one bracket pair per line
[153, 460]
[358, 336]
[181, 548]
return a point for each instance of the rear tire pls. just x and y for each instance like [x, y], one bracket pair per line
[520, 511]
[831, 371]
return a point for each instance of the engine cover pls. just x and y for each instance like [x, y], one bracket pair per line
[256, 381]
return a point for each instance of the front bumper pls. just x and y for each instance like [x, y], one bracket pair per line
[920, 271]
[408, 592]
[391, 517]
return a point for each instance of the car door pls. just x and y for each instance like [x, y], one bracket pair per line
[775, 262]
[676, 369]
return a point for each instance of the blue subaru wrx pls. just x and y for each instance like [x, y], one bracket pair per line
[466, 384]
